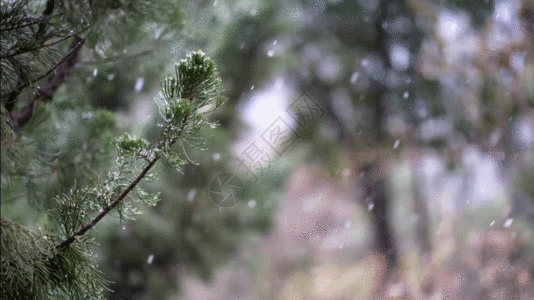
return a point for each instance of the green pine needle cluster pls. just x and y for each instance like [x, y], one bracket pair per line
[30, 32]
[33, 268]
[195, 91]
[59, 264]
[57, 170]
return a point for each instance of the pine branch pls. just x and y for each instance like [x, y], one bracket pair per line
[114, 203]
[119, 199]
[73, 51]
[108, 208]
[46, 13]
[47, 90]
[28, 24]
[196, 84]
[45, 45]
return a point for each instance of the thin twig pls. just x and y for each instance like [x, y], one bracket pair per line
[112, 205]
[108, 208]
[43, 45]
[27, 24]
[119, 199]
[67, 56]
[185, 153]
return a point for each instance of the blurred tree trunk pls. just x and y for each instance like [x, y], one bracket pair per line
[375, 198]
[374, 183]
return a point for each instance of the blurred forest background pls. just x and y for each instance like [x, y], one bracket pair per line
[385, 149]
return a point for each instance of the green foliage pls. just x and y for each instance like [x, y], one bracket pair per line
[36, 168]
[187, 98]
[9, 150]
[24, 253]
[71, 211]
[129, 145]
[193, 93]
[60, 165]
[23, 37]
[33, 268]
[34, 34]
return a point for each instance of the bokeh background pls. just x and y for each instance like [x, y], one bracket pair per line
[437, 96]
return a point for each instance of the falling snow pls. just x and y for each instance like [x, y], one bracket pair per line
[139, 84]
[251, 203]
[508, 223]
[354, 77]
[191, 195]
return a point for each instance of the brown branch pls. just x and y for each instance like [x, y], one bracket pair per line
[108, 208]
[73, 49]
[47, 12]
[46, 91]
[43, 45]
[27, 24]
[123, 195]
